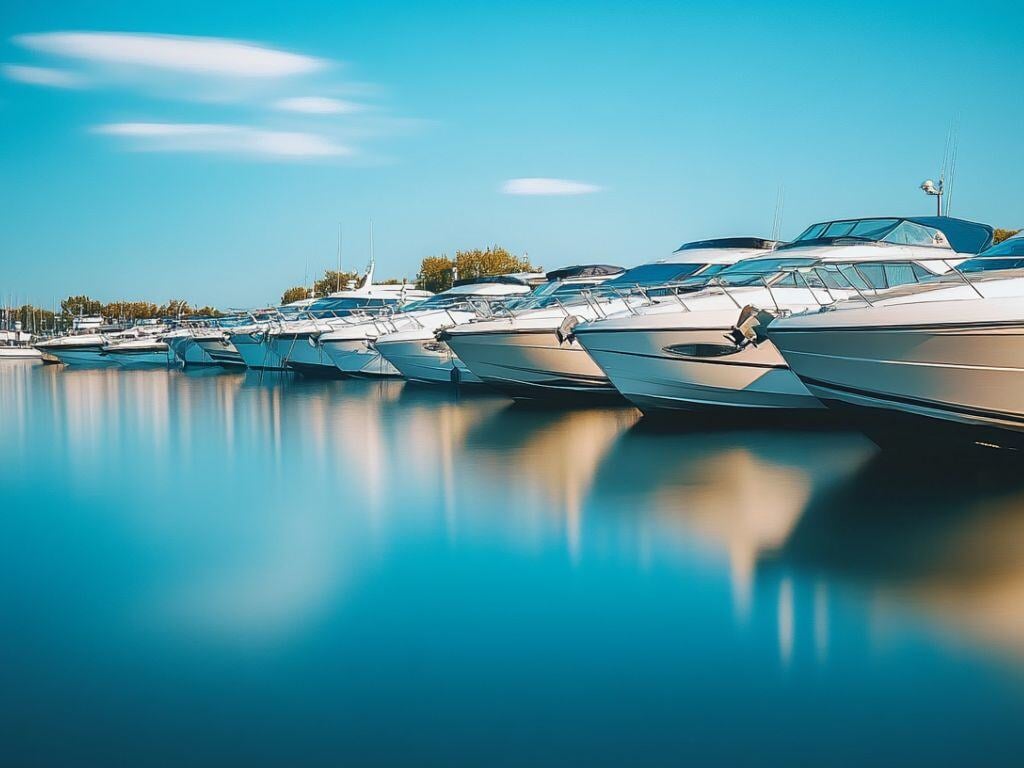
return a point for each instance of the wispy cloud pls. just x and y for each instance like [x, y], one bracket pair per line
[318, 105]
[544, 186]
[224, 139]
[209, 55]
[48, 76]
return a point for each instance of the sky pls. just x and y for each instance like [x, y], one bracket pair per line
[212, 151]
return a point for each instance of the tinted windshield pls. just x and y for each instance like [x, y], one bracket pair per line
[757, 271]
[895, 231]
[329, 307]
[549, 294]
[655, 274]
[1013, 249]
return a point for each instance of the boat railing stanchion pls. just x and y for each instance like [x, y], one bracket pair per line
[725, 290]
[771, 293]
[853, 283]
[963, 277]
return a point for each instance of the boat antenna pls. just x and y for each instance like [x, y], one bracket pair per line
[955, 150]
[780, 202]
[339, 256]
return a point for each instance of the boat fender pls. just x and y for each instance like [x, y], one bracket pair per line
[564, 331]
[751, 326]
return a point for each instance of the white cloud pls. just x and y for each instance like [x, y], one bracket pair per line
[542, 186]
[205, 55]
[318, 105]
[227, 139]
[55, 78]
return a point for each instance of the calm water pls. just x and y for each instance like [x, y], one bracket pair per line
[214, 569]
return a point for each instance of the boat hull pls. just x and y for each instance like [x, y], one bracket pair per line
[221, 351]
[355, 357]
[80, 355]
[301, 353]
[695, 370]
[531, 364]
[257, 352]
[426, 361]
[20, 353]
[956, 380]
[188, 352]
[140, 358]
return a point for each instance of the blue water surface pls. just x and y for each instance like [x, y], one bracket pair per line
[216, 568]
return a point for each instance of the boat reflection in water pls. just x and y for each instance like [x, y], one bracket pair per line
[399, 575]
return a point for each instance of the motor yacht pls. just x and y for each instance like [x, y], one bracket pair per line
[695, 352]
[357, 346]
[295, 341]
[532, 352]
[84, 345]
[182, 344]
[936, 365]
[252, 340]
[145, 348]
[16, 344]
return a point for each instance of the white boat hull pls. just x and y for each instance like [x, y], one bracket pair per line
[141, 357]
[426, 360]
[257, 352]
[354, 357]
[530, 363]
[952, 370]
[220, 350]
[80, 356]
[188, 352]
[694, 370]
[20, 353]
[300, 355]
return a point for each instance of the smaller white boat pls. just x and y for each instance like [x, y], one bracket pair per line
[144, 348]
[354, 346]
[16, 344]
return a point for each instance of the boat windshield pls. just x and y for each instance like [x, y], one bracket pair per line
[1012, 250]
[337, 307]
[759, 271]
[655, 274]
[890, 230]
[551, 293]
[440, 301]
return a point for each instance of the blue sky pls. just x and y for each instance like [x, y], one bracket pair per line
[217, 164]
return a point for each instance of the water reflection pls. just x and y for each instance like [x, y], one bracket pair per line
[361, 537]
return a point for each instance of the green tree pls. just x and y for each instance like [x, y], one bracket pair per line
[333, 281]
[437, 273]
[298, 293]
[1003, 234]
[73, 306]
[131, 310]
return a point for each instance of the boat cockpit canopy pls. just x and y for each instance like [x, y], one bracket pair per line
[582, 271]
[928, 231]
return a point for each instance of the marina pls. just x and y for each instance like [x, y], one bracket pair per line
[511, 385]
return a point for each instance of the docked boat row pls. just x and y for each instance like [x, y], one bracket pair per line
[909, 325]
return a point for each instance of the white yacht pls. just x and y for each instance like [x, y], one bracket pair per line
[16, 344]
[182, 344]
[84, 345]
[532, 352]
[251, 339]
[357, 346]
[146, 347]
[693, 353]
[295, 341]
[935, 365]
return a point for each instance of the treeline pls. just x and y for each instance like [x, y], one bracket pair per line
[437, 273]
[39, 319]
